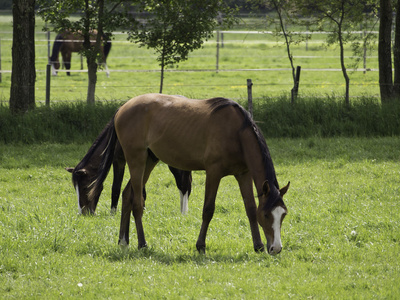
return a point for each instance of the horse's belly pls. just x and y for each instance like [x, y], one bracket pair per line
[178, 155]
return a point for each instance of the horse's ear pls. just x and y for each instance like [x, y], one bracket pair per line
[69, 169]
[266, 188]
[284, 189]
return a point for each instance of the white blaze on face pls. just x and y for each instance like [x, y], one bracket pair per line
[184, 202]
[277, 213]
[77, 193]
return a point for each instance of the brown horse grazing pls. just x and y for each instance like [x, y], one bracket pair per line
[85, 171]
[68, 42]
[216, 135]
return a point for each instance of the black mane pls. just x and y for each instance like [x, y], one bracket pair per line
[95, 146]
[219, 103]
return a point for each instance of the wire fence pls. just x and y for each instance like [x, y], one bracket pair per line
[229, 52]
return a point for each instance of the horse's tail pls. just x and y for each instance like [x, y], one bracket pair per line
[107, 45]
[56, 47]
[110, 137]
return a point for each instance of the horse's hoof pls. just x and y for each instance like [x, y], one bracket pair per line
[142, 246]
[259, 248]
[201, 249]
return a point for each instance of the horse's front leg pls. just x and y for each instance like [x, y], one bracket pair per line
[246, 189]
[212, 183]
[139, 178]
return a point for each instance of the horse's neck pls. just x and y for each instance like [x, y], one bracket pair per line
[56, 47]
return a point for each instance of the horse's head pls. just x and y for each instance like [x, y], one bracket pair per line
[55, 65]
[82, 180]
[270, 214]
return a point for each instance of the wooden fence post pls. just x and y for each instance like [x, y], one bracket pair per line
[250, 96]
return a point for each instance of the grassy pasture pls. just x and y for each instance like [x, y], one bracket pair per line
[135, 70]
[340, 238]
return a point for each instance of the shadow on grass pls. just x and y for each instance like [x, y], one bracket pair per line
[117, 254]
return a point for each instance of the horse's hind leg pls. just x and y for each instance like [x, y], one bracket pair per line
[119, 169]
[246, 189]
[127, 198]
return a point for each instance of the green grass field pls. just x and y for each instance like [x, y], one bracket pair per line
[340, 238]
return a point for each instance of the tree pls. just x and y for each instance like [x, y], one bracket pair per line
[389, 89]
[341, 16]
[22, 92]
[285, 10]
[99, 17]
[173, 28]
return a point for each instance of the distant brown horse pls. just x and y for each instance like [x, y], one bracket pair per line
[68, 42]
[216, 135]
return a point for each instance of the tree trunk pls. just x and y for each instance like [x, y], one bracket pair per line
[92, 77]
[344, 70]
[396, 53]
[22, 92]
[162, 73]
[384, 51]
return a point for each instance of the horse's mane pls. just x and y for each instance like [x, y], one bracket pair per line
[95, 146]
[219, 103]
[56, 47]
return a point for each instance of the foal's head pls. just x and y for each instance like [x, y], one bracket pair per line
[82, 180]
[270, 214]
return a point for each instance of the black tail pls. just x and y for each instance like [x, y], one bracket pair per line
[56, 48]
[110, 137]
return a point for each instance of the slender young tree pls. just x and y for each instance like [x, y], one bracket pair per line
[174, 28]
[22, 92]
[339, 18]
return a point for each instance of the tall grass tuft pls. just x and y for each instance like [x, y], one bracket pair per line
[327, 117]
[60, 123]
[277, 117]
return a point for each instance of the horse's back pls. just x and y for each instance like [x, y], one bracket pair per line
[184, 133]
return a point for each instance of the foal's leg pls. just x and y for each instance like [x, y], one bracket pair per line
[119, 169]
[127, 198]
[212, 183]
[246, 189]
[183, 181]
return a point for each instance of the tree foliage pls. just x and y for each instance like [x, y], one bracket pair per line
[174, 28]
